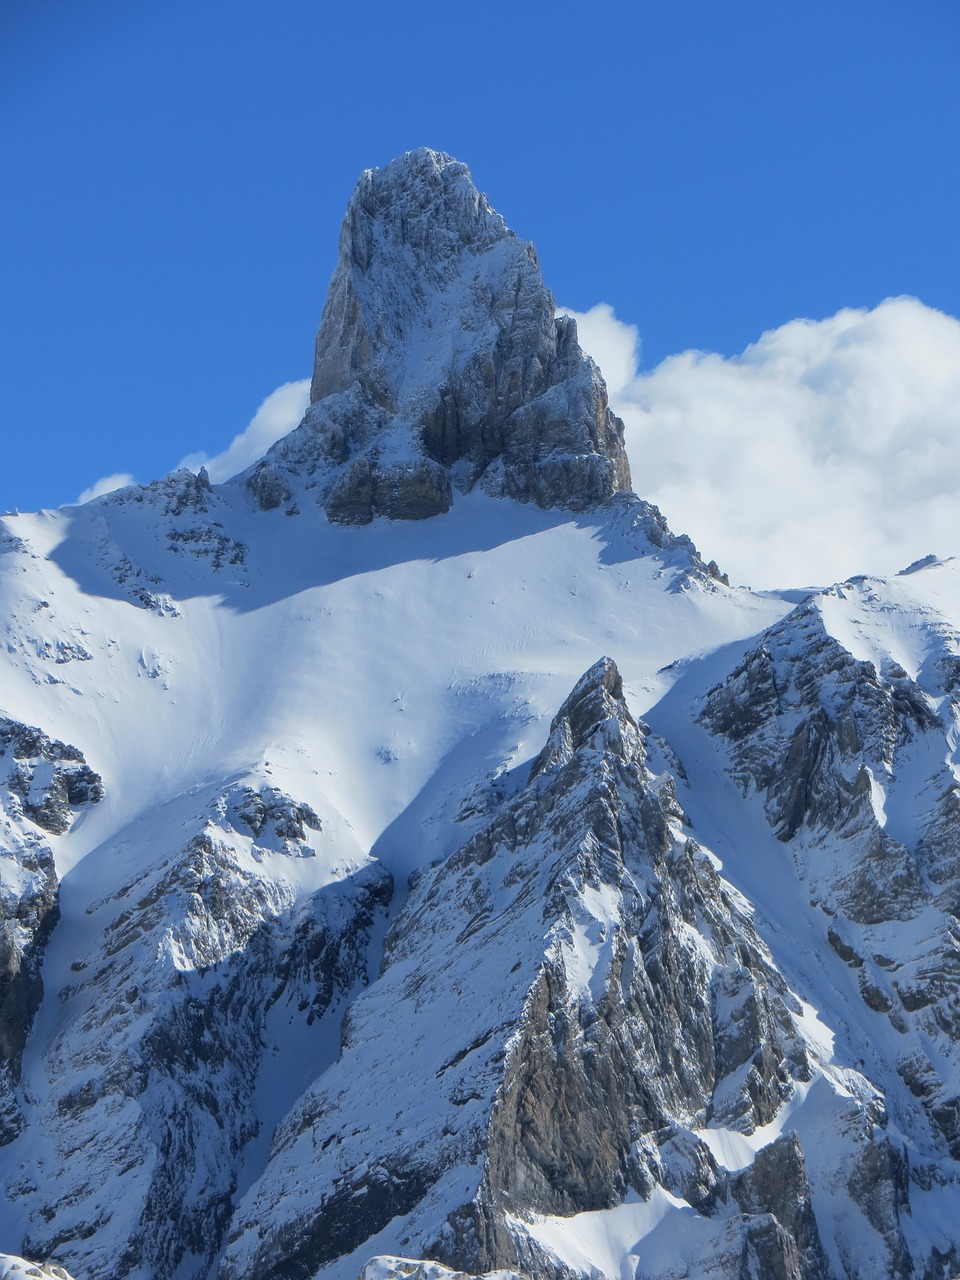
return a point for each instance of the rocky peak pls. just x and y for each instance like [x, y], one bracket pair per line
[595, 714]
[50, 779]
[406, 229]
[441, 362]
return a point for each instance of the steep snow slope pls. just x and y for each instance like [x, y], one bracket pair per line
[675, 1000]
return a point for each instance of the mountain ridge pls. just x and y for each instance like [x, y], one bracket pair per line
[386, 919]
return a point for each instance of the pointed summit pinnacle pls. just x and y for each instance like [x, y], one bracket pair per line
[441, 361]
[406, 230]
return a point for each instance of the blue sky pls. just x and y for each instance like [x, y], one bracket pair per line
[175, 176]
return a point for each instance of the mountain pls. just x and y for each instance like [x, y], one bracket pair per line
[417, 861]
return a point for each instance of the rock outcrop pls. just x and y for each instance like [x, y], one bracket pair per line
[157, 1061]
[13, 1268]
[51, 779]
[441, 363]
[387, 1268]
[43, 784]
[851, 755]
[570, 1009]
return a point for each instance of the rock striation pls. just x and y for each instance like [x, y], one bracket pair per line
[441, 363]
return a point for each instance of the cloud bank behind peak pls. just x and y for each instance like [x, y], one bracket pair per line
[827, 448]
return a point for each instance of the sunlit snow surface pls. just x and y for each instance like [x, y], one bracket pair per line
[353, 663]
[384, 676]
[12, 1268]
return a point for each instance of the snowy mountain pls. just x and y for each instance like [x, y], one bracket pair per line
[416, 860]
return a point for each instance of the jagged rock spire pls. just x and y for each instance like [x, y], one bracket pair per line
[406, 232]
[440, 360]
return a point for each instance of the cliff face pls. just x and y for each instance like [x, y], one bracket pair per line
[842, 718]
[154, 1067]
[441, 362]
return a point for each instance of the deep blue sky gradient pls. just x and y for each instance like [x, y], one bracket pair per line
[174, 176]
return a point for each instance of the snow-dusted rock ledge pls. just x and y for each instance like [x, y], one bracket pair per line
[13, 1268]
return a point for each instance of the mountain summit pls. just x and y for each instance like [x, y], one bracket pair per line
[441, 362]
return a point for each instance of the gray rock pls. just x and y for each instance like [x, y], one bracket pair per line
[404, 491]
[776, 1183]
[807, 723]
[350, 499]
[163, 1035]
[440, 358]
[879, 1184]
[562, 1095]
[48, 797]
[268, 488]
[46, 782]
[814, 728]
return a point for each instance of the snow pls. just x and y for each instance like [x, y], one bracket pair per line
[380, 675]
[312, 653]
[384, 675]
[12, 1268]
[608, 1242]
[735, 1150]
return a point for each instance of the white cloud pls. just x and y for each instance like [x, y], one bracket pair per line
[827, 448]
[120, 480]
[280, 412]
[614, 345]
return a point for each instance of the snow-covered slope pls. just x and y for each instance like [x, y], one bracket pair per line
[355, 904]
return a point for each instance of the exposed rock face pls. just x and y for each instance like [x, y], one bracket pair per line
[817, 731]
[43, 783]
[269, 489]
[570, 1001]
[440, 361]
[851, 756]
[50, 778]
[158, 1058]
[777, 1184]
